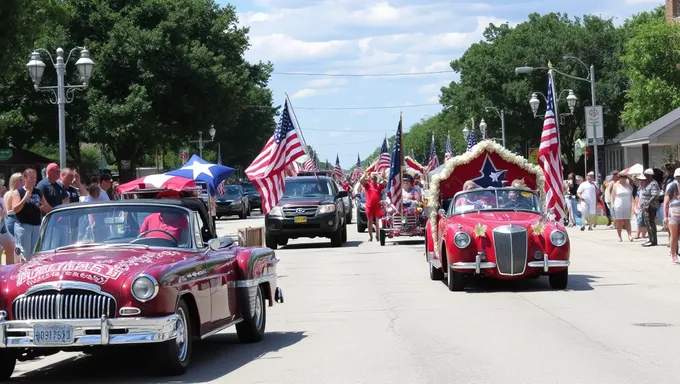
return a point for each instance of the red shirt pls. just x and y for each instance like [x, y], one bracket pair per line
[174, 225]
[373, 194]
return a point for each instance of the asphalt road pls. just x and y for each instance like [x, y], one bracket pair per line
[369, 314]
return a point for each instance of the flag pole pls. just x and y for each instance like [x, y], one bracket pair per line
[401, 152]
[297, 123]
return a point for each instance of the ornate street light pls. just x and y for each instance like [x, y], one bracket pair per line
[571, 99]
[534, 102]
[200, 140]
[482, 127]
[466, 133]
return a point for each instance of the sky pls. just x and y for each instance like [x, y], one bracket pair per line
[376, 37]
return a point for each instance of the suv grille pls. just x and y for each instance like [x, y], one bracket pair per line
[300, 211]
[67, 304]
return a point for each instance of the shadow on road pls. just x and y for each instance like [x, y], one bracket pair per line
[320, 245]
[213, 358]
[577, 283]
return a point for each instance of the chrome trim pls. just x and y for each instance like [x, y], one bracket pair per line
[473, 265]
[252, 282]
[133, 311]
[220, 329]
[62, 285]
[511, 230]
[566, 238]
[547, 264]
[137, 330]
[56, 302]
[155, 284]
[469, 241]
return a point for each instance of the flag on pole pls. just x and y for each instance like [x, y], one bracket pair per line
[267, 171]
[358, 171]
[434, 161]
[471, 139]
[220, 189]
[448, 153]
[394, 181]
[337, 171]
[550, 156]
[309, 164]
[384, 159]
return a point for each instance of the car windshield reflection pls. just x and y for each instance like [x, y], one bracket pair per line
[307, 188]
[513, 199]
[116, 225]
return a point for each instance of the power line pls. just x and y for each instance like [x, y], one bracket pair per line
[360, 74]
[348, 130]
[352, 108]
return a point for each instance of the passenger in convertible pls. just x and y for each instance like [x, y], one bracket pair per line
[411, 193]
[515, 198]
[174, 223]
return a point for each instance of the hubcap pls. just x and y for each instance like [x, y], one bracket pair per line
[258, 311]
[182, 335]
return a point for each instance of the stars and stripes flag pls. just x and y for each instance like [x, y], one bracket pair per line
[337, 170]
[550, 156]
[310, 164]
[384, 159]
[267, 171]
[358, 171]
[220, 189]
[434, 161]
[448, 152]
[471, 139]
[394, 180]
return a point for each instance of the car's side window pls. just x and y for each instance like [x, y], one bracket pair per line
[198, 237]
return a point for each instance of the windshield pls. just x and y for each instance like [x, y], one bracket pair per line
[514, 199]
[248, 187]
[230, 191]
[308, 188]
[143, 225]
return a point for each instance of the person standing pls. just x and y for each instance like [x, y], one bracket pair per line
[649, 204]
[671, 213]
[373, 189]
[70, 184]
[30, 204]
[16, 181]
[587, 193]
[573, 199]
[52, 191]
[608, 202]
[622, 205]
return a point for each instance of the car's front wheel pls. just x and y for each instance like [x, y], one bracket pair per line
[8, 360]
[175, 355]
[455, 281]
[271, 241]
[251, 329]
[559, 280]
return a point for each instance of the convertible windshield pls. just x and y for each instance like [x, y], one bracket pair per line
[514, 199]
[308, 188]
[143, 225]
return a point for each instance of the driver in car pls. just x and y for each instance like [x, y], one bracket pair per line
[515, 198]
[163, 223]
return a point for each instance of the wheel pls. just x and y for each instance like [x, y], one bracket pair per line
[383, 236]
[426, 257]
[349, 218]
[336, 237]
[175, 355]
[251, 329]
[8, 360]
[282, 241]
[455, 281]
[344, 233]
[243, 214]
[270, 241]
[436, 274]
[219, 217]
[559, 280]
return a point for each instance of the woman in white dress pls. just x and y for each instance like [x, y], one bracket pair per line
[622, 203]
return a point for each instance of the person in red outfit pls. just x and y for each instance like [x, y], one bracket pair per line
[173, 223]
[373, 189]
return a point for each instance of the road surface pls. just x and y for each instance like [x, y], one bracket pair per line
[369, 314]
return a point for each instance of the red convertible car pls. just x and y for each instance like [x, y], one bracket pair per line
[488, 220]
[132, 272]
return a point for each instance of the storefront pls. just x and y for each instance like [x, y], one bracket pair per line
[17, 160]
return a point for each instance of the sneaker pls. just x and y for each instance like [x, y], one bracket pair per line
[583, 227]
[590, 228]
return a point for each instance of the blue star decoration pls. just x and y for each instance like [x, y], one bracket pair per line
[201, 170]
[490, 176]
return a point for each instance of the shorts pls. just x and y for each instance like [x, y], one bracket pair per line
[372, 211]
[640, 219]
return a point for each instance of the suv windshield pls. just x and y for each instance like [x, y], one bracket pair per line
[145, 225]
[248, 187]
[231, 192]
[308, 188]
[513, 199]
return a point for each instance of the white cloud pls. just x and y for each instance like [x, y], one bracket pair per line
[433, 100]
[306, 93]
[429, 88]
[326, 82]
[281, 47]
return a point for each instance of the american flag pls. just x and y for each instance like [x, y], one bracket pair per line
[471, 139]
[384, 159]
[434, 161]
[309, 164]
[337, 171]
[220, 189]
[448, 153]
[358, 171]
[550, 156]
[267, 171]
[394, 181]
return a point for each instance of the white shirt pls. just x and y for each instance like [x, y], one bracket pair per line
[587, 190]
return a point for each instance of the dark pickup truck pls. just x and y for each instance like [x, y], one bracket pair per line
[311, 206]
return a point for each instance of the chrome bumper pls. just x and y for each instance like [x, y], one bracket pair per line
[90, 332]
[477, 265]
[546, 264]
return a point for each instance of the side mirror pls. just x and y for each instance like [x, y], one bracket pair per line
[441, 212]
[214, 244]
[342, 194]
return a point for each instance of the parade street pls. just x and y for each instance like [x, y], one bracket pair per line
[369, 314]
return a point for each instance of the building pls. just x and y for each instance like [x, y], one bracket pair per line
[672, 10]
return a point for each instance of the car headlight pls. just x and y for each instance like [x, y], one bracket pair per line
[327, 208]
[461, 239]
[144, 288]
[558, 238]
[276, 211]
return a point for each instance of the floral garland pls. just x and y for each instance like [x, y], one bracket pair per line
[473, 153]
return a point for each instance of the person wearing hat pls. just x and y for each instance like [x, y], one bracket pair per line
[671, 213]
[410, 192]
[587, 193]
[649, 205]
[54, 193]
[621, 198]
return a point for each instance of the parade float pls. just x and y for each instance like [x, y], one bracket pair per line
[496, 227]
[410, 222]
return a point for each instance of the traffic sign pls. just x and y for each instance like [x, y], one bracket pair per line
[594, 125]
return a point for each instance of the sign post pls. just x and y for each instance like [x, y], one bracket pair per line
[184, 155]
[595, 131]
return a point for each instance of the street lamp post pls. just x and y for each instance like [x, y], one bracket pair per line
[571, 99]
[200, 140]
[482, 128]
[62, 93]
[501, 114]
[466, 133]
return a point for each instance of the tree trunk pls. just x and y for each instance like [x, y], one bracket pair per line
[126, 159]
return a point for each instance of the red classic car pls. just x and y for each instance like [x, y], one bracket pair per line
[492, 230]
[132, 272]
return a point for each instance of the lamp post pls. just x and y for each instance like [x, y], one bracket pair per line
[200, 140]
[466, 133]
[501, 114]
[61, 94]
[571, 99]
[482, 128]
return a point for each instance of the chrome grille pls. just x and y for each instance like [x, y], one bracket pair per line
[300, 211]
[67, 304]
[510, 245]
[411, 221]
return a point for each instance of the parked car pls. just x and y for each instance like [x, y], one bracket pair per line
[311, 206]
[349, 205]
[233, 202]
[254, 197]
[146, 272]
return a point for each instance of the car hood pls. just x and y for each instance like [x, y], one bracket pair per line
[106, 267]
[493, 219]
[297, 201]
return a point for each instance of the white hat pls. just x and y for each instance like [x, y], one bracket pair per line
[641, 177]
[591, 173]
[677, 172]
[649, 172]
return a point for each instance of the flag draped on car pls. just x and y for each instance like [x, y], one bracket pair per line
[434, 161]
[448, 152]
[267, 171]
[394, 180]
[550, 156]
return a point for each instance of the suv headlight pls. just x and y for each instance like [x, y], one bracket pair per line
[276, 211]
[327, 208]
[461, 239]
[144, 288]
[558, 238]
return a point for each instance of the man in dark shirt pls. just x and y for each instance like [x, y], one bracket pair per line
[67, 182]
[53, 192]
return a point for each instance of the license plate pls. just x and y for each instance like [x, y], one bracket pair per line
[300, 219]
[53, 334]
